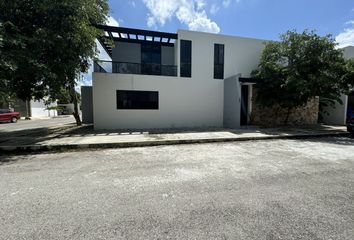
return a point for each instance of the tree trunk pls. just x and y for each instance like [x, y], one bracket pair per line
[28, 109]
[76, 107]
[287, 116]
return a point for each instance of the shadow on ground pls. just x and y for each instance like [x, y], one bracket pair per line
[32, 136]
[347, 140]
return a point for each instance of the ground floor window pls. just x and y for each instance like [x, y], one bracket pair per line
[127, 99]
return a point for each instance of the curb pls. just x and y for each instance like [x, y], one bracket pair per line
[62, 147]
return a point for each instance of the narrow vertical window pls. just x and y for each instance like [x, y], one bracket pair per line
[186, 59]
[219, 61]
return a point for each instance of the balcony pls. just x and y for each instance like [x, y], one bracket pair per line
[135, 68]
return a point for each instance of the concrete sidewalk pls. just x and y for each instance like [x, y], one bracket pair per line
[85, 138]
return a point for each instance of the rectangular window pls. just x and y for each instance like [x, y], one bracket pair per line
[127, 99]
[219, 61]
[186, 58]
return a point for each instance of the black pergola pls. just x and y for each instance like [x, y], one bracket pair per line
[248, 80]
[120, 34]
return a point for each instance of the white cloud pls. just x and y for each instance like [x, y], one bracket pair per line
[200, 4]
[189, 12]
[203, 23]
[346, 38]
[214, 9]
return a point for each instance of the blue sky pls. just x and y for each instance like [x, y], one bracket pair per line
[264, 19]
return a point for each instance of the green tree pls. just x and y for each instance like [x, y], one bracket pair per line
[299, 67]
[47, 44]
[65, 97]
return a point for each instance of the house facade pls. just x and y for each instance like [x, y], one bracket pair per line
[164, 80]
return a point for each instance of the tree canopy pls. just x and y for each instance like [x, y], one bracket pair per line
[302, 66]
[45, 44]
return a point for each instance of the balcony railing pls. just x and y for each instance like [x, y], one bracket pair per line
[135, 68]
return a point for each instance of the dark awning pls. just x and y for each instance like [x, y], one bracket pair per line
[120, 34]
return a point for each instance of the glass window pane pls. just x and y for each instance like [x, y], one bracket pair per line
[127, 99]
[186, 58]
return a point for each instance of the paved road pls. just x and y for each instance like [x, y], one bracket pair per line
[285, 189]
[36, 123]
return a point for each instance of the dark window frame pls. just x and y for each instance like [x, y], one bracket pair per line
[185, 61]
[219, 61]
[134, 103]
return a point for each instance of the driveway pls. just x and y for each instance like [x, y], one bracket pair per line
[283, 189]
[36, 123]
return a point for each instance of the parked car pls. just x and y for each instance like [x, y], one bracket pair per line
[7, 115]
[350, 124]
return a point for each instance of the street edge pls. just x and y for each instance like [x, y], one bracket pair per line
[62, 147]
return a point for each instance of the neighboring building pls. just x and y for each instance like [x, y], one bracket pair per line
[37, 109]
[166, 80]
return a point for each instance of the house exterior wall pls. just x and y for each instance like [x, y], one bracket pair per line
[86, 104]
[337, 114]
[183, 102]
[178, 102]
[232, 102]
[349, 52]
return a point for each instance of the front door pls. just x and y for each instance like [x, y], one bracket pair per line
[244, 104]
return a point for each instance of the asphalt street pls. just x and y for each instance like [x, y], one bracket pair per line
[24, 125]
[283, 189]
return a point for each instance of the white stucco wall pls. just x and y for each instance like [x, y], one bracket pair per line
[39, 109]
[349, 52]
[183, 102]
[337, 115]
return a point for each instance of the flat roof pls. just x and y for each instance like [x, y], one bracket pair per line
[121, 34]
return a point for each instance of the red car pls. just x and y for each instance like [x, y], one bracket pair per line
[7, 115]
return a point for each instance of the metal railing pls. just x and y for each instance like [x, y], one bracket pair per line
[135, 68]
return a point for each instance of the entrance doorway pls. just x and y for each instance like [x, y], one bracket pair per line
[244, 104]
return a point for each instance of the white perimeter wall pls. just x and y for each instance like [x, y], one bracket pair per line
[39, 109]
[183, 102]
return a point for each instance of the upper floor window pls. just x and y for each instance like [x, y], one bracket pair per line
[219, 61]
[186, 58]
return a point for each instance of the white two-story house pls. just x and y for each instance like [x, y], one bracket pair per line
[166, 80]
